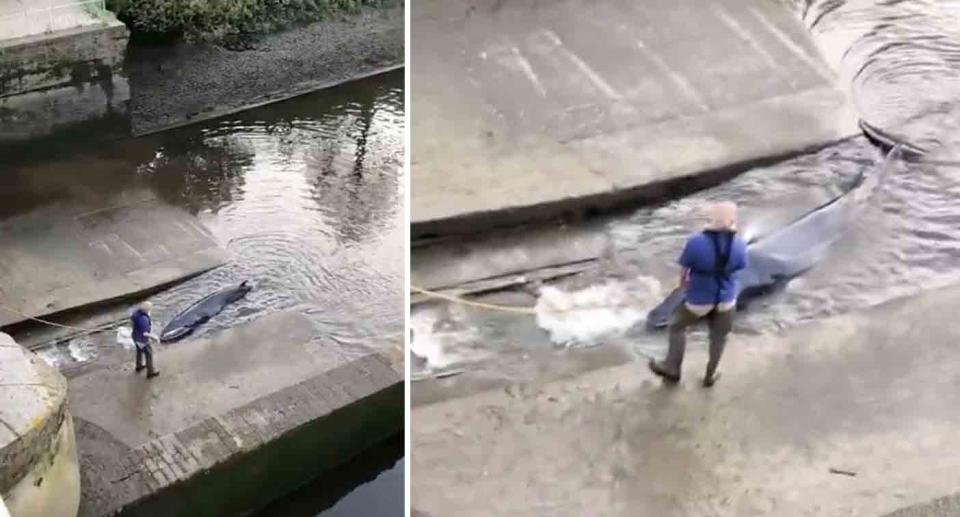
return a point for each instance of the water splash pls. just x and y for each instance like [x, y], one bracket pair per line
[590, 316]
[441, 339]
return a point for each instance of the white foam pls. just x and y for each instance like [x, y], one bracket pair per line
[51, 356]
[597, 313]
[82, 350]
[125, 337]
[440, 342]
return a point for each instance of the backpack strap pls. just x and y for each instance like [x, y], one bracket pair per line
[721, 260]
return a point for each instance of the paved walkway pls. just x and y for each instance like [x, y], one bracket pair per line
[872, 393]
[19, 18]
[69, 254]
[217, 401]
[529, 109]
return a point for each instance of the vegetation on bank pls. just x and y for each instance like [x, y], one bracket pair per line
[216, 19]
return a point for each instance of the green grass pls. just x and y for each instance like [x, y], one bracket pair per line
[215, 19]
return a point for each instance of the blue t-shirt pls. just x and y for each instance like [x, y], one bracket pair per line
[141, 325]
[700, 256]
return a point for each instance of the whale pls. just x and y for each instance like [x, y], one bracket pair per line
[790, 251]
[887, 141]
[198, 313]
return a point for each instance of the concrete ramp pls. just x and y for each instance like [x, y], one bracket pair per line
[69, 255]
[232, 422]
[529, 109]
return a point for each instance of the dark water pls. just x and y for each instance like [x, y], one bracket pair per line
[901, 63]
[369, 486]
[899, 58]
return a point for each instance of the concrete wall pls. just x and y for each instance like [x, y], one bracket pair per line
[39, 475]
[83, 54]
[52, 80]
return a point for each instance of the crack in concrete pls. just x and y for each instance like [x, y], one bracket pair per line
[10, 428]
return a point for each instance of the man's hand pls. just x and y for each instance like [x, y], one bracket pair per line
[684, 279]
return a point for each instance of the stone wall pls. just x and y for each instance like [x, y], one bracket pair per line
[60, 79]
[38, 461]
[84, 54]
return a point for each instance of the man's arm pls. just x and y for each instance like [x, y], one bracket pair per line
[685, 261]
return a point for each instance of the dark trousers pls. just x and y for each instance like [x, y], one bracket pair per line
[144, 350]
[720, 324]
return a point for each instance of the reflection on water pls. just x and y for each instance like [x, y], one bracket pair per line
[901, 60]
[370, 485]
[304, 194]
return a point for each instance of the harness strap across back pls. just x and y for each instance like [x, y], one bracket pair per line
[721, 260]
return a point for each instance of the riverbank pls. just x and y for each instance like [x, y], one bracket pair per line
[165, 85]
[216, 21]
[183, 83]
[846, 393]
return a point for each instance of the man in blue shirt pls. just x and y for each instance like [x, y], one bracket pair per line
[142, 337]
[709, 263]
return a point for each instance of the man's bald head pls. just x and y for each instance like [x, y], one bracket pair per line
[722, 216]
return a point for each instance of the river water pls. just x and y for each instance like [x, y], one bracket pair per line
[901, 61]
[306, 196]
[370, 485]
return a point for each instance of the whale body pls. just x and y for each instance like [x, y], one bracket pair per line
[776, 258]
[190, 318]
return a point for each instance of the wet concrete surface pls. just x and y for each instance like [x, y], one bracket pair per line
[68, 255]
[199, 377]
[186, 83]
[522, 114]
[869, 393]
[942, 507]
[119, 411]
[455, 261]
[515, 370]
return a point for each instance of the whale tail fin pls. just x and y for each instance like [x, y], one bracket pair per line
[872, 183]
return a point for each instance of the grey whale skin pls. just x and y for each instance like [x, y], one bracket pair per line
[198, 313]
[787, 253]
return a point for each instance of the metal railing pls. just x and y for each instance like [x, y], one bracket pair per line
[53, 17]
